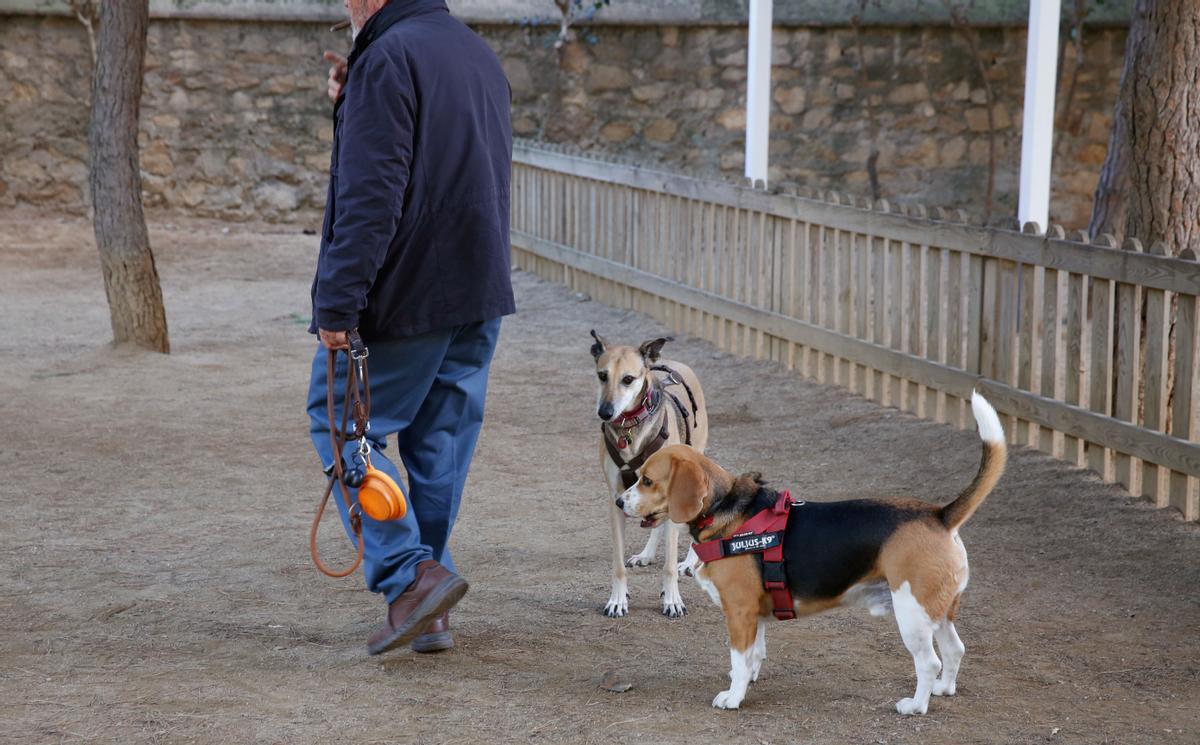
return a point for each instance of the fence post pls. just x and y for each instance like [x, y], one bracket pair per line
[1100, 369]
[1127, 368]
[1185, 420]
[1155, 483]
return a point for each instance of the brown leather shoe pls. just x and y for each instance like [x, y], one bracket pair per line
[435, 591]
[436, 637]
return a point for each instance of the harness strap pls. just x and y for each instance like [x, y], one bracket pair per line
[629, 468]
[674, 378]
[678, 379]
[762, 534]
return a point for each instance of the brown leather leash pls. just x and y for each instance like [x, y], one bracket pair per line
[359, 396]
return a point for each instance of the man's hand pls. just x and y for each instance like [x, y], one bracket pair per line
[333, 339]
[337, 75]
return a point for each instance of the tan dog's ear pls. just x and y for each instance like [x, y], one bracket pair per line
[651, 349]
[689, 486]
[600, 345]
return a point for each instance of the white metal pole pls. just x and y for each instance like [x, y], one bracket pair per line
[758, 91]
[1037, 130]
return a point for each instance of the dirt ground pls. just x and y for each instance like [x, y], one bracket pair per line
[157, 586]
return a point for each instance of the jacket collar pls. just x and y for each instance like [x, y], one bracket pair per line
[387, 16]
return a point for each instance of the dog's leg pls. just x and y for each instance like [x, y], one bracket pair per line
[687, 567]
[743, 628]
[672, 601]
[759, 651]
[648, 554]
[916, 628]
[618, 601]
[952, 650]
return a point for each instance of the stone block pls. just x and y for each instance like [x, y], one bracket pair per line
[156, 159]
[607, 78]
[616, 132]
[736, 58]
[953, 151]
[573, 58]
[524, 126]
[649, 93]
[276, 195]
[817, 118]
[977, 119]
[1092, 154]
[519, 78]
[704, 99]
[908, 93]
[661, 130]
[732, 119]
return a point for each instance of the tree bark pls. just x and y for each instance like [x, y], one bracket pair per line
[130, 276]
[1159, 113]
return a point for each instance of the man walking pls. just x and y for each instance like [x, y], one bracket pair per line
[415, 255]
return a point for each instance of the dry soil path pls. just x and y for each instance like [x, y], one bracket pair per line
[156, 584]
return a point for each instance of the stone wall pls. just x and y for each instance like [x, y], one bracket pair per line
[675, 96]
[235, 122]
[234, 118]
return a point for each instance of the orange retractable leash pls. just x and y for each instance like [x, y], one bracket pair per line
[379, 496]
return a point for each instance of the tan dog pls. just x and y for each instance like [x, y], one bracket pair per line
[869, 553]
[645, 404]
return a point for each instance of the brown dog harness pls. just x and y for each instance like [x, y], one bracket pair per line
[761, 534]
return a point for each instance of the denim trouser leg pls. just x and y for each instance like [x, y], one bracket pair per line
[429, 391]
[437, 446]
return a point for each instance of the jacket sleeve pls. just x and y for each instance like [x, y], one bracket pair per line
[374, 159]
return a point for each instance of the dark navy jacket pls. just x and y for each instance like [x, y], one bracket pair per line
[416, 220]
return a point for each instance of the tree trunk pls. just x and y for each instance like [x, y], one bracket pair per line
[1159, 108]
[130, 277]
[1108, 205]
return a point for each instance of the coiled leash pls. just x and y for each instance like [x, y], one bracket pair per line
[379, 496]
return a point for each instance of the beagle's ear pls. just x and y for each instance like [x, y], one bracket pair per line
[650, 350]
[600, 345]
[689, 486]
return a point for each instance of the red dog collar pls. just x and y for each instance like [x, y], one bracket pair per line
[648, 406]
[763, 533]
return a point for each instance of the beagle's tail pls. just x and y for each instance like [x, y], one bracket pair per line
[995, 455]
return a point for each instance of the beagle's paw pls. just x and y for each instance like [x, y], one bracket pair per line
[909, 706]
[727, 700]
[943, 687]
[755, 669]
[689, 565]
[617, 606]
[640, 560]
[673, 607]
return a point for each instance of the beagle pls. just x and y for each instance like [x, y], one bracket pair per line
[905, 554]
[644, 404]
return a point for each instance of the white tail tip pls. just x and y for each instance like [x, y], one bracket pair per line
[990, 429]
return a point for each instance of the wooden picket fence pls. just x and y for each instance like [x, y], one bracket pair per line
[1069, 339]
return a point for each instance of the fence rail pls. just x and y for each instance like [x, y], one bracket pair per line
[1088, 351]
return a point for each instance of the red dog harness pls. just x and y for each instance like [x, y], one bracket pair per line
[761, 534]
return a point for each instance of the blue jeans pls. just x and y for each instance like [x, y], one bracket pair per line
[428, 390]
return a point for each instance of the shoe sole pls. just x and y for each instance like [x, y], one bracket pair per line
[440, 599]
[438, 642]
